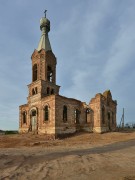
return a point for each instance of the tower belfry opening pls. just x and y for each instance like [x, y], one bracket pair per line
[35, 72]
[49, 74]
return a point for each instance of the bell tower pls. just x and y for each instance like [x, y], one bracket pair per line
[43, 66]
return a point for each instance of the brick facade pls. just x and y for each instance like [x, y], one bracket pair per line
[47, 112]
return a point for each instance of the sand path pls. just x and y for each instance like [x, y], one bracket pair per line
[110, 161]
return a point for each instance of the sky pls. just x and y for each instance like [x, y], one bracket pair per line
[93, 40]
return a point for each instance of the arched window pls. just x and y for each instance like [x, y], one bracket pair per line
[103, 115]
[48, 90]
[49, 74]
[64, 113]
[46, 113]
[33, 112]
[77, 116]
[34, 91]
[24, 117]
[35, 72]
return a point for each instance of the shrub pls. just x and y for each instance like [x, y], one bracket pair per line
[11, 132]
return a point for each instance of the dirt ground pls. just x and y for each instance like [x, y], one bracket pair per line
[108, 156]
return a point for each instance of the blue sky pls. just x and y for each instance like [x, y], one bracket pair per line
[93, 40]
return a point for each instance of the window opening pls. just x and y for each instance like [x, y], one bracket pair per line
[108, 116]
[49, 74]
[34, 91]
[35, 72]
[109, 123]
[24, 117]
[48, 90]
[46, 113]
[52, 91]
[77, 116]
[112, 117]
[64, 113]
[33, 113]
[87, 113]
[103, 115]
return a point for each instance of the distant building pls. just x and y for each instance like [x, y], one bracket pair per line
[47, 112]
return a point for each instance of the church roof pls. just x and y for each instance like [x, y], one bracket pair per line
[44, 42]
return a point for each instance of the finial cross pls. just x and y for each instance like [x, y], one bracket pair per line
[45, 13]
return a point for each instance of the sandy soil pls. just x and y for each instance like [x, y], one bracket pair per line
[109, 156]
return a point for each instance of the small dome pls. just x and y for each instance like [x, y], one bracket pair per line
[44, 22]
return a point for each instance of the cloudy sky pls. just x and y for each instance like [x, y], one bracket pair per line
[93, 40]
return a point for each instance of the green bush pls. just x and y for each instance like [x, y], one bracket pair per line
[11, 132]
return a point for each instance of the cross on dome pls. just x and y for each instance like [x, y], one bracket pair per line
[45, 13]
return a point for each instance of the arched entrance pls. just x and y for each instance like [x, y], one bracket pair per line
[33, 120]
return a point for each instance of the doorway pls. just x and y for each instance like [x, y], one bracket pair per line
[34, 121]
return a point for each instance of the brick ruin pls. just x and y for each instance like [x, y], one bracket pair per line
[47, 112]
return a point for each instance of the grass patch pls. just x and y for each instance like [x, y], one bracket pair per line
[11, 132]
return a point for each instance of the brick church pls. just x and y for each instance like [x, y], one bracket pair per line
[47, 112]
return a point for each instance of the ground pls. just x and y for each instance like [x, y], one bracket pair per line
[108, 156]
